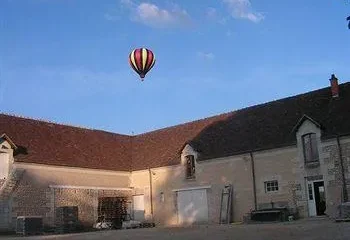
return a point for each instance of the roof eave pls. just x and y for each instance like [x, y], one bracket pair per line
[303, 119]
[8, 139]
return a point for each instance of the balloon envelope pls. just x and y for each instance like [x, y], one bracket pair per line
[142, 60]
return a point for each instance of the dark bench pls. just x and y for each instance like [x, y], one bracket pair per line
[270, 214]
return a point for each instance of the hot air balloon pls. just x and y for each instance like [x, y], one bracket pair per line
[142, 60]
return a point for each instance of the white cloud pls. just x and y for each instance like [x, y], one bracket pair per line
[242, 9]
[111, 17]
[211, 12]
[223, 20]
[229, 33]
[127, 3]
[154, 16]
[206, 55]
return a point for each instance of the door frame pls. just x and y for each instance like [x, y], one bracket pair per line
[313, 195]
[176, 191]
[205, 189]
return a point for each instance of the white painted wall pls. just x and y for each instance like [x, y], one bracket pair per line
[4, 165]
[188, 150]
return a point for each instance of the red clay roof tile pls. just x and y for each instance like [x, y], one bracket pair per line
[263, 126]
[55, 144]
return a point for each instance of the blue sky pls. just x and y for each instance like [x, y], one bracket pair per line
[66, 60]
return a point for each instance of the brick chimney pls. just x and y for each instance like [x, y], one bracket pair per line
[334, 86]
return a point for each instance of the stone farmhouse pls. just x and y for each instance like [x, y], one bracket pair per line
[293, 152]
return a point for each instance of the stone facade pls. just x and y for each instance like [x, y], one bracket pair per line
[44, 188]
[277, 165]
[216, 174]
[286, 165]
[2, 181]
[334, 179]
[31, 200]
[328, 169]
[86, 200]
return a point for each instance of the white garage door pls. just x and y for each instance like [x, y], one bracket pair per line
[192, 206]
[139, 207]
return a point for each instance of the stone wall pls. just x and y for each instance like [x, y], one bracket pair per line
[34, 196]
[41, 201]
[2, 181]
[86, 200]
[216, 173]
[31, 200]
[334, 181]
[277, 165]
[5, 212]
[329, 170]
[38, 192]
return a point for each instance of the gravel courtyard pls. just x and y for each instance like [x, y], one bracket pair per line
[299, 230]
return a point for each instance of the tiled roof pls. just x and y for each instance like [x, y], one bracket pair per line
[271, 125]
[56, 144]
[263, 126]
[163, 147]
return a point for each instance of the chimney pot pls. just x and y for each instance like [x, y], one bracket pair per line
[334, 86]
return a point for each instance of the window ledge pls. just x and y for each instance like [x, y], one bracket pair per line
[312, 164]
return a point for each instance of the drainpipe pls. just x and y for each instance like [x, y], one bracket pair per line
[54, 206]
[345, 191]
[254, 184]
[150, 190]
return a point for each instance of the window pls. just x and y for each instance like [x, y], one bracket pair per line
[271, 186]
[311, 196]
[310, 148]
[190, 166]
[162, 197]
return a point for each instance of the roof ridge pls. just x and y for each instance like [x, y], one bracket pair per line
[45, 120]
[184, 123]
[239, 109]
[289, 97]
[180, 124]
[58, 123]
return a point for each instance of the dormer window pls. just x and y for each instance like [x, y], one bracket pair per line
[310, 148]
[190, 167]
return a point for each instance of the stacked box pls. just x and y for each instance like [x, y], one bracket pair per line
[66, 219]
[29, 225]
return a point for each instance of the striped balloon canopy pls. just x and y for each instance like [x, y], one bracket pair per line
[142, 60]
